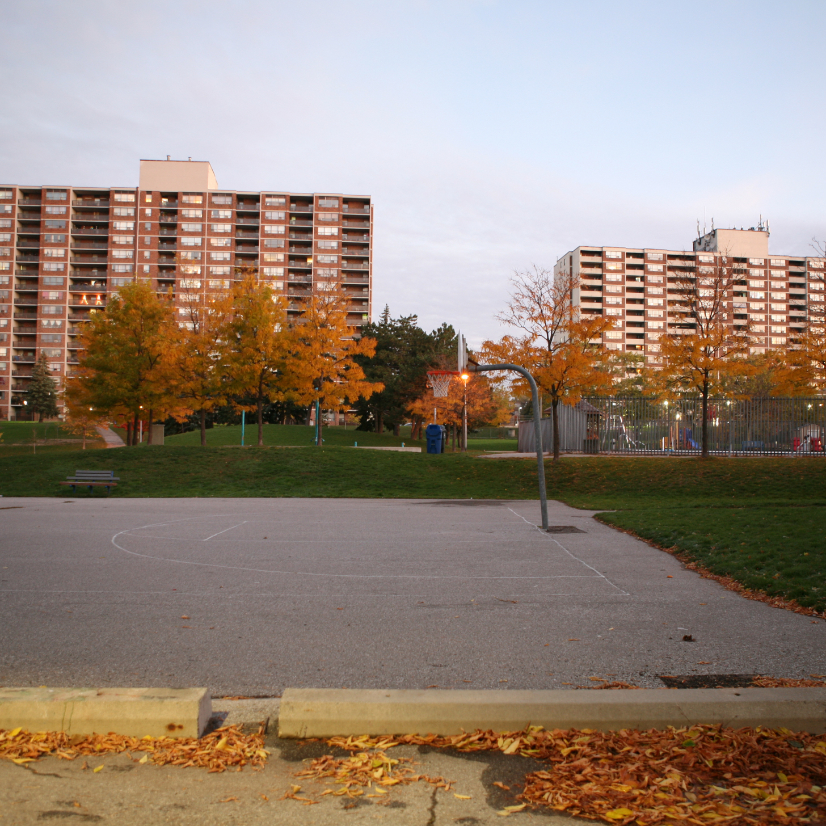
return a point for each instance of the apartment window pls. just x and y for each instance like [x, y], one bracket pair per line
[191, 255]
[655, 290]
[757, 307]
[612, 276]
[191, 269]
[122, 253]
[276, 285]
[327, 259]
[275, 200]
[51, 323]
[613, 311]
[818, 265]
[146, 268]
[326, 272]
[55, 224]
[656, 325]
[220, 227]
[222, 199]
[53, 280]
[778, 262]
[221, 214]
[220, 256]
[192, 198]
[51, 338]
[191, 241]
[192, 213]
[125, 197]
[124, 212]
[147, 227]
[54, 239]
[328, 245]
[612, 254]
[51, 309]
[120, 282]
[273, 256]
[55, 194]
[5, 237]
[273, 272]
[5, 194]
[757, 295]
[220, 242]
[328, 202]
[778, 340]
[147, 213]
[327, 216]
[52, 295]
[613, 334]
[123, 226]
[192, 227]
[654, 267]
[778, 296]
[56, 210]
[220, 270]
[705, 259]
[328, 230]
[121, 268]
[613, 266]
[757, 262]
[274, 229]
[147, 254]
[706, 270]
[778, 308]
[275, 216]
[54, 252]
[52, 266]
[654, 314]
[778, 285]
[218, 284]
[123, 239]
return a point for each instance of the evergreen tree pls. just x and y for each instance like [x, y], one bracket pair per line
[42, 396]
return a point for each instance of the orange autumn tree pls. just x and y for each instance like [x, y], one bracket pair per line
[255, 344]
[322, 367]
[558, 345]
[196, 363]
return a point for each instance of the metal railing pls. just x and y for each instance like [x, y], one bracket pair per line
[769, 426]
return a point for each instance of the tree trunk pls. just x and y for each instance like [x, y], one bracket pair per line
[319, 441]
[260, 412]
[129, 434]
[135, 429]
[149, 425]
[705, 418]
[203, 427]
[84, 436]
[453, 437]
[555, 415]
[397, 430]
[379, 421]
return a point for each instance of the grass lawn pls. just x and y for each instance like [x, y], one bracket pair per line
[757, 520]
[17, 438]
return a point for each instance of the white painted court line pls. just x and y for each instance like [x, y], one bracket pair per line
[573, 556]
[219, 532]
[128, 531]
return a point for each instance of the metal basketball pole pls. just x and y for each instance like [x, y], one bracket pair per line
[537, 415]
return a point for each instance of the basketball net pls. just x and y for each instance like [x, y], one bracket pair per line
[439, 381]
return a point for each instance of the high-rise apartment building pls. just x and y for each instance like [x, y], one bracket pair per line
[65, 249]
[639, 288]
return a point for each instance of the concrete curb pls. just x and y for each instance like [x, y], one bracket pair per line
[136, 712]
[310, 712]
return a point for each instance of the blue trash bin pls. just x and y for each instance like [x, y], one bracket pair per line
[435, 436]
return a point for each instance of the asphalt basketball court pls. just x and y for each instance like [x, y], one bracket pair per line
[250, 596]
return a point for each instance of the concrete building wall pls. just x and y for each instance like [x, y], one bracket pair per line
[64, 250]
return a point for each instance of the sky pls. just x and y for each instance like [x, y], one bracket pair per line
[491, 135]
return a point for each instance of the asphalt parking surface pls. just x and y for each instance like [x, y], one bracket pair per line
[249, 596]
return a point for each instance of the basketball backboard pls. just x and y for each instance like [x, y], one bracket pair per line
[462, 346]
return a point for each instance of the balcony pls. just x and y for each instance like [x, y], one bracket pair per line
[299, 279]
[90, 202]
[24, 358]
[167, 203]
[354, 265]
[21, 374]
[168, 218]
[308, 250]
[18, 301]
[303, 265]
[356, 224]
[295, 222]
[354, 278]
[88, 259]
[29, 272]
[89, 273]
[28, 259]
[301, 236]
[90, 231]
[25, 244]
[248, 206]
[360, 252]
[91, 216]
[241, 220]
[167, 232]
[29, 202]
[351, 236]
[301, 207]
[90, 245]
[356, 209]
[245, 233]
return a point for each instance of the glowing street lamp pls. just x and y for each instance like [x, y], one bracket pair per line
[465, 376]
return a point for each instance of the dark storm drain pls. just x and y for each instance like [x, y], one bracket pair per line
[564, 529]
[710, 681]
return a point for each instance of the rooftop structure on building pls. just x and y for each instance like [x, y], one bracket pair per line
[65, 249]
[638, 288]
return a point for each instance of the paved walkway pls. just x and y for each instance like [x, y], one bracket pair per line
[110, 437]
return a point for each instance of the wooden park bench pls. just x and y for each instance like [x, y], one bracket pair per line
[92, 479]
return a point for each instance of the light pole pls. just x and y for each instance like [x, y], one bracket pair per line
[465, 377]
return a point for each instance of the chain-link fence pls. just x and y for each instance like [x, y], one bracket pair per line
[635, 425]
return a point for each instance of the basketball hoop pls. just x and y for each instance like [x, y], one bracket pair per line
[439, 381]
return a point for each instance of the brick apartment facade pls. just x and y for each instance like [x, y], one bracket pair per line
[65, 249]
[637, 288]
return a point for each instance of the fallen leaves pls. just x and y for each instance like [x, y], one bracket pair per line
[696, 775]
[224, 748]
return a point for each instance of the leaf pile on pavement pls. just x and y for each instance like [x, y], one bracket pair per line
[225, 748]
[697, 775]
[373, 771]
[789, 682]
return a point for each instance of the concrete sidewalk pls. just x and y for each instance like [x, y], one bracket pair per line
[110, 437]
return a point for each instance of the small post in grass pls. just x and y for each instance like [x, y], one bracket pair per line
[243, 419]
